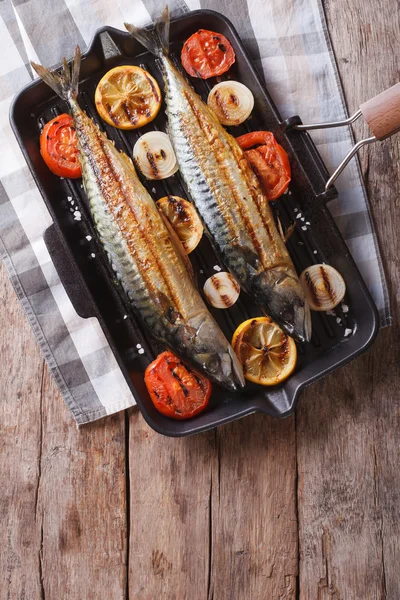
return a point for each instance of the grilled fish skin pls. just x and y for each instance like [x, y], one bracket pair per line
[228, 196]
[146, 259]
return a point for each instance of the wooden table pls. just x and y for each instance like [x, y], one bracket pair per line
[307, 507]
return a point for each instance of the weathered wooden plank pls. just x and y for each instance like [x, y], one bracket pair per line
[170, 484]
[348, 426]
[63, 491]
[82, 504]
[253, 504]
[20, 387]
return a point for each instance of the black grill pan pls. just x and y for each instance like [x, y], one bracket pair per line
[91, 284]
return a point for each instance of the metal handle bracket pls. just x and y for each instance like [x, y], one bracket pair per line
[350, 154]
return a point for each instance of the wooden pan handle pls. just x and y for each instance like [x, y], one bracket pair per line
[382, 113]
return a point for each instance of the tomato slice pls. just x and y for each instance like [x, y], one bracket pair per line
[268, 160]
[176, 390]
[207, 54]
[59, 147]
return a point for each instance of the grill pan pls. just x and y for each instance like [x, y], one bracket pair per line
[91, 284]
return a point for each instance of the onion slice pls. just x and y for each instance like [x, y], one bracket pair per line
[231, 101]
[324, 287]
[221, 290]
[154, 155]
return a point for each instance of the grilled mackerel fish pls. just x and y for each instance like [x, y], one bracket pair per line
[147, 260]
[228, 196]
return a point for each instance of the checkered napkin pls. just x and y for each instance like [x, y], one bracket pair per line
[287, 40]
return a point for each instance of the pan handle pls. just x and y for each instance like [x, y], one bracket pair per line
[68, 273]
[382, 113]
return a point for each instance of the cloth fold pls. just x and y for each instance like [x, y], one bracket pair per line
[289, 44]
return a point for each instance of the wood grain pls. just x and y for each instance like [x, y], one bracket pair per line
[82, 504]
[20, 385]
[214, 516]
[170, 482]
[382, 113]
[348, 426]
[63, 490]
[254, 539]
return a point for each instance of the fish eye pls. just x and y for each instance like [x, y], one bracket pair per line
[213, 364]
[286, 314]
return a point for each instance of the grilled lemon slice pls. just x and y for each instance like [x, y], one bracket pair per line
[127, 97]
[268, 356]
[184, 220]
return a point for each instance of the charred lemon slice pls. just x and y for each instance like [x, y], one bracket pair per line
[184, 220]
[268, 356]
[127, 97]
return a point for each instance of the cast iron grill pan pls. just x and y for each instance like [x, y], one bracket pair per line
[91, 284]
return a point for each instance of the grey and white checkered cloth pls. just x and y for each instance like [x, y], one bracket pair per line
[289, 44]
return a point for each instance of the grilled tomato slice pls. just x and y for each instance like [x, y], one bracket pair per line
[59, 147]
[207, 54]
[127, 97]
[268, 356]
[268, 160]
[176, 390]
[184, 219]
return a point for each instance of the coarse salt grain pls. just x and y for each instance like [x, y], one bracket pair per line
[69, 198]
[296, 210]
[141, 351]
[88, 237]
[304, 228]
[338, 320]
[347, 332]
[345, 308]
[138, 345]
[217, 268]
[93, 255]
[298, 216]
[315, 251]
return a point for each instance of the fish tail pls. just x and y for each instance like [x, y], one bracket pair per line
[155, 40]
[65, 83]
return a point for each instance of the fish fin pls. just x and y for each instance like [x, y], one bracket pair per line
[65, 83]
[167, 309]
[280, 229]
[289, 231]
[178, 246]
[127, 162]
[285, 235]
[237, 367]
[155, 40]
[250, 256]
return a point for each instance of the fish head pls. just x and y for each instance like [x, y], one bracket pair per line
[279, 291]
[205, 347]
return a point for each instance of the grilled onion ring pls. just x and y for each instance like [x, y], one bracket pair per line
[154, 155]
[323, 286]
[231, 101]
[221, 290]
